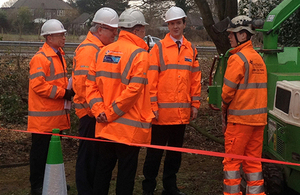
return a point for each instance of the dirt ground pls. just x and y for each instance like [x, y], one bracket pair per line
[198, 175]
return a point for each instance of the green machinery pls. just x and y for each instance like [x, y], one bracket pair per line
[282, 134]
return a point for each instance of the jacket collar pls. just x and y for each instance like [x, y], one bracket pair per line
[133, 39]
[49, 51]
[94, 39]
[247, 44]
[169, 41]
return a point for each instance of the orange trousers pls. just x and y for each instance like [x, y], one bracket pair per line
[248, 141]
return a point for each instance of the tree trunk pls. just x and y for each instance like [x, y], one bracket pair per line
[225, 8]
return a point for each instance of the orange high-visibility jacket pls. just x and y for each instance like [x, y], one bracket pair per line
[47, 83]
[117, 85]
[174, 80]
[245, 87]
[84, 54]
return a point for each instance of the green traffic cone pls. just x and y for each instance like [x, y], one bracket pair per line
[55, 179]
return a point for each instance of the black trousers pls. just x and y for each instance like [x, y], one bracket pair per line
[87, 156]
[127, 157]
[170, 135]
[38, 159]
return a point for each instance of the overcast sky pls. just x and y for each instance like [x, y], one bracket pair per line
[1, 2]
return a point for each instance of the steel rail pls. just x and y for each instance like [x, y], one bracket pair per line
[8, 47]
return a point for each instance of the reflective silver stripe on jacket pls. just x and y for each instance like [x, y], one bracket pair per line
[91, 77]
[153, 67]
[153, 99]
[46, 114]
[164, 67]
[231, 189]
[174, 105]
[55, 77]
[38, 74]
[139, 80]
[254, 189]
[129, 64]
[254, 176]
[84, 45]
[246, 84]
[80, 72]
[112, 75]
[124, 74]
[117, 110]
[95, 100]
[133, 123]
[232, 174]
[248, 112]
[52, 75]
[53, 92]
[161, 59]
[246, 64]
[194, 98]
[196, 69]
[81, 106]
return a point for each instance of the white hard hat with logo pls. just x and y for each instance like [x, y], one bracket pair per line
[131, 17]
[52, 26]
[106, 16]
[174, 13]
[239, 23]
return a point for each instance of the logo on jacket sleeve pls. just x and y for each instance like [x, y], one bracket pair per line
[111, 59]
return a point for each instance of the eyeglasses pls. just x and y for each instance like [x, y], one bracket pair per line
[59, 35]
[113, 30]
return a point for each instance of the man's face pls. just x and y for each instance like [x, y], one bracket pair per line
[140, 32]
[232, 39]
[57, 40]
[107, 34]
[176, 28]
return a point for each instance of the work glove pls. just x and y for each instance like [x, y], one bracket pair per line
[69, 94]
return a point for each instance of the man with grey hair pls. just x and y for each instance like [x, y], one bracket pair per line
[118, 93]
[103, 31]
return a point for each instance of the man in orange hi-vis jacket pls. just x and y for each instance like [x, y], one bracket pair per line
[103, 31]
[118, 95]
[244, 96]
[174, 78]
[47, 92]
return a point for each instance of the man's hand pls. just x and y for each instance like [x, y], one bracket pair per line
[156, 114]
[101, 118]
[69, 93]
[224, 117]
[194, 112]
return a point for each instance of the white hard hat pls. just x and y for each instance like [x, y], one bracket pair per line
[174, 13]
[106, 16]
[52, 26]
[239, 23]
[131, 17]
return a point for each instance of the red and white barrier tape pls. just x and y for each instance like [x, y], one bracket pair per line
[176, 149]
